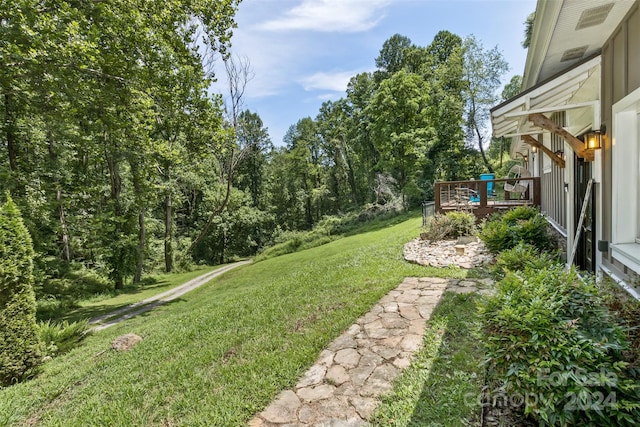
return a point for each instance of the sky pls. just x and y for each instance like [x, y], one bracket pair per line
[303, 52]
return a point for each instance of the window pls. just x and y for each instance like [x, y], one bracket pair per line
[625, 242]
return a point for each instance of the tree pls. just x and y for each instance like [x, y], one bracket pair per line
[498, 146]
[303, 175]
[227, 147]
[20, 348]
[360, 91]
[482, 71]
[447, 156]
[392, 57]
[528, 29]
[252, 134]
[334, 120]
[513, 88]
[401, 126]
[96, 100]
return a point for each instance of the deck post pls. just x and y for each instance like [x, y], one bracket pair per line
[483, 193]
[536, 191]
[436, 195]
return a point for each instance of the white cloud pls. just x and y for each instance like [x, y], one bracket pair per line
[329, 96]
[348, 16]
[334, 81]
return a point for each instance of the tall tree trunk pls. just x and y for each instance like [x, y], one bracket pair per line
[225, 201]
[12, 145]
[64, 231]
[116, 188]
[142, 237]
[142, 233]
[484, 155]
[66, 248]
[168, 232]
[308, 211]
[351, 178]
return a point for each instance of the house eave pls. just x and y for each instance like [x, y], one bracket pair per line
[566, 91]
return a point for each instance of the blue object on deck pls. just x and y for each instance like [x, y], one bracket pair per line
[485, 177]
[488, 177]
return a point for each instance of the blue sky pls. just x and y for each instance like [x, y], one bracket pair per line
[303, 52]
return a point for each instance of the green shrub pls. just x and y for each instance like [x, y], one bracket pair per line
[522, 257]
[56, 295]
[20, 349]
[522, 224]
[61, 337]
[450, 226]
[553, 347]
[627, 310]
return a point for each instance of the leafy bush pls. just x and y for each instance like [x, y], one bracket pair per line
[56, 295]
[554, 347]
[627, 310]
[450, 226]
[374, 211]
[522, 224]
[522, 257]
[20, 349]
[62, 337]
[292, 241]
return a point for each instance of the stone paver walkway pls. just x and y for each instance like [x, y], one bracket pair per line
[343, 386]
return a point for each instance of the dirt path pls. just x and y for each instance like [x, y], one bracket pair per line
[115, 317]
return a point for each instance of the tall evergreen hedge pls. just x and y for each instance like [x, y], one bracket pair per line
[20, 349]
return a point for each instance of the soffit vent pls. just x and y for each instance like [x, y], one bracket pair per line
[575, 53]
[594, 16]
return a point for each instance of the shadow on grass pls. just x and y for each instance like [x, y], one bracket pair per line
[452, 391]
[146, 310]
[444, 383]
[66, 307]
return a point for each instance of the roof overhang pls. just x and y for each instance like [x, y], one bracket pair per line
[565, 32]
[576, 90]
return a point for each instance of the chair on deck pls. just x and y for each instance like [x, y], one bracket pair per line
[515, 183]
[485, 177]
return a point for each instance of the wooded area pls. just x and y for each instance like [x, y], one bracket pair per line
[122, 162]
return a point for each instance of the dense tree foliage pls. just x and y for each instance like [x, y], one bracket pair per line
[421, 116]
[104, 116]
[123, 162]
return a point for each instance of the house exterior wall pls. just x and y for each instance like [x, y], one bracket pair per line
[620, 77]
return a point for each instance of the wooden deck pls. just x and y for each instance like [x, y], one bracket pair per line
[483, 197]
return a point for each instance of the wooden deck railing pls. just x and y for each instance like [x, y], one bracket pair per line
[483, 197]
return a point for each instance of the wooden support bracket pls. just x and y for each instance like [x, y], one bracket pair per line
[577, 145]
[553, 156]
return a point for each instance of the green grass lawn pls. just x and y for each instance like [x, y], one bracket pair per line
[442, 387]
[222, 352]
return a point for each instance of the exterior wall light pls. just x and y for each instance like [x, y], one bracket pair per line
[593, 139]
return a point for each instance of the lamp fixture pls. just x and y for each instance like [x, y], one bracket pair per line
[525, 157]
[534, 149]
[593, 139]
